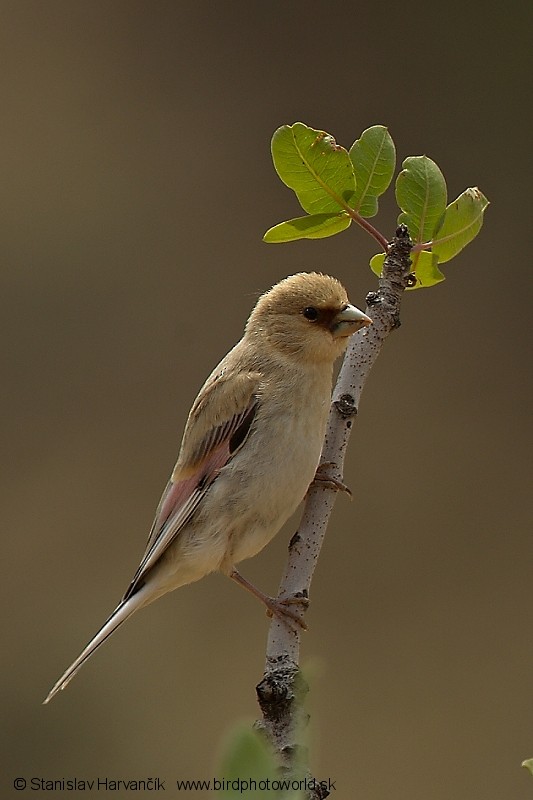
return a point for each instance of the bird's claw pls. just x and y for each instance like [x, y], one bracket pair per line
[323, 478]
[279, 607]
[276, 606]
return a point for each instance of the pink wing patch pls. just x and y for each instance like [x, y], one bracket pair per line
[181, 499]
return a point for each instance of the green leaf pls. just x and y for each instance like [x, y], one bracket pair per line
[426, 270]
[246, 757]
[528, 764]
[314, 226]
[376, 264]
[374, 158]
[312, 164]
[424, 267]
[421, 194]
[462, 222]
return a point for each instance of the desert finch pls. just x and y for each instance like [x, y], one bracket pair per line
[250, 449]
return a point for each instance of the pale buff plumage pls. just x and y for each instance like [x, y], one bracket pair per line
[251, 445]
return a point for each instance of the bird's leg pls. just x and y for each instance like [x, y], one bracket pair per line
[323, 478]
[276, 607]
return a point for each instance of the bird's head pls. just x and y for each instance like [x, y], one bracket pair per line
[306, 315]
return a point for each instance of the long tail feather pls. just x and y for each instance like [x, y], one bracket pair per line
[123, 611]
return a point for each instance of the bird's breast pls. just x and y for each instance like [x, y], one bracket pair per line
[268, 478]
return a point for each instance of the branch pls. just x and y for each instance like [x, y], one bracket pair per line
[281, 690]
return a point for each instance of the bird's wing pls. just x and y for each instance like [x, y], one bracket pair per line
[218, 424]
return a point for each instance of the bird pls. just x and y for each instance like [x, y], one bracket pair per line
[250, 449]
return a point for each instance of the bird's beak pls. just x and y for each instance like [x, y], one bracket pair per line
[349, 320]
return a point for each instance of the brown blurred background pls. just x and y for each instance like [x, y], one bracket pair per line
[136, 186]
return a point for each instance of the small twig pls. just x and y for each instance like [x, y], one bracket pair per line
[280, 691]
[369, 228]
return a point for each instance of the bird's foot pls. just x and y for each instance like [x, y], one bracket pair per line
[277, 607]
[325, 479]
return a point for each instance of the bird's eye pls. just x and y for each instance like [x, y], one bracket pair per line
[311, 314]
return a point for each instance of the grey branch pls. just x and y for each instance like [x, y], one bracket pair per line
[281, 690]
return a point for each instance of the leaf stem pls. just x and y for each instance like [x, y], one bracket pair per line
[417, 248]
[368, 227]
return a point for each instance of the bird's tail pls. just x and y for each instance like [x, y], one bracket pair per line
[122, 612]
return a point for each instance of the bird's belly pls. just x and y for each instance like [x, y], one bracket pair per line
[261, 502]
